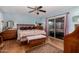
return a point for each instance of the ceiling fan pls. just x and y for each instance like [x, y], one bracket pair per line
[37, 9]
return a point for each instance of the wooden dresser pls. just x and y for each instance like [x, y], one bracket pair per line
[71, 42]
[9, 34]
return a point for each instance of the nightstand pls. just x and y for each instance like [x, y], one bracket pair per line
[1, 42]
[9, 34]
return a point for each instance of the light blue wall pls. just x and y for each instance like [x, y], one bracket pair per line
[73, 12]
[19, 18]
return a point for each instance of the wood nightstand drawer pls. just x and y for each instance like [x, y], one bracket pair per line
[9, 31]
[1, 42]
[1, 39]
[9, 34]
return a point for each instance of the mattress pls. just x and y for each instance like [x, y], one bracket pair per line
[23, 33]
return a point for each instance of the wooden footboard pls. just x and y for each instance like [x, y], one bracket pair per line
[36, 42]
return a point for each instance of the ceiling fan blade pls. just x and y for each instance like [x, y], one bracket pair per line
[39, 7]
[31, 11]
[42, 11]
[30, 7]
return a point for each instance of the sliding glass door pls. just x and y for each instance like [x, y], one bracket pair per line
[59, 28]
[56, 27]
[51, 27]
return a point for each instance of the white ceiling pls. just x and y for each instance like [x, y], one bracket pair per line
[24, 10]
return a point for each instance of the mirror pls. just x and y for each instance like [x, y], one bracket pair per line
[75, 18]
[10, 24]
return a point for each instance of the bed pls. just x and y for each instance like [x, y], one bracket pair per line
[30, 33]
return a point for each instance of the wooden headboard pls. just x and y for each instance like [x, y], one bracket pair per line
[26, 26]
[29, 26]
